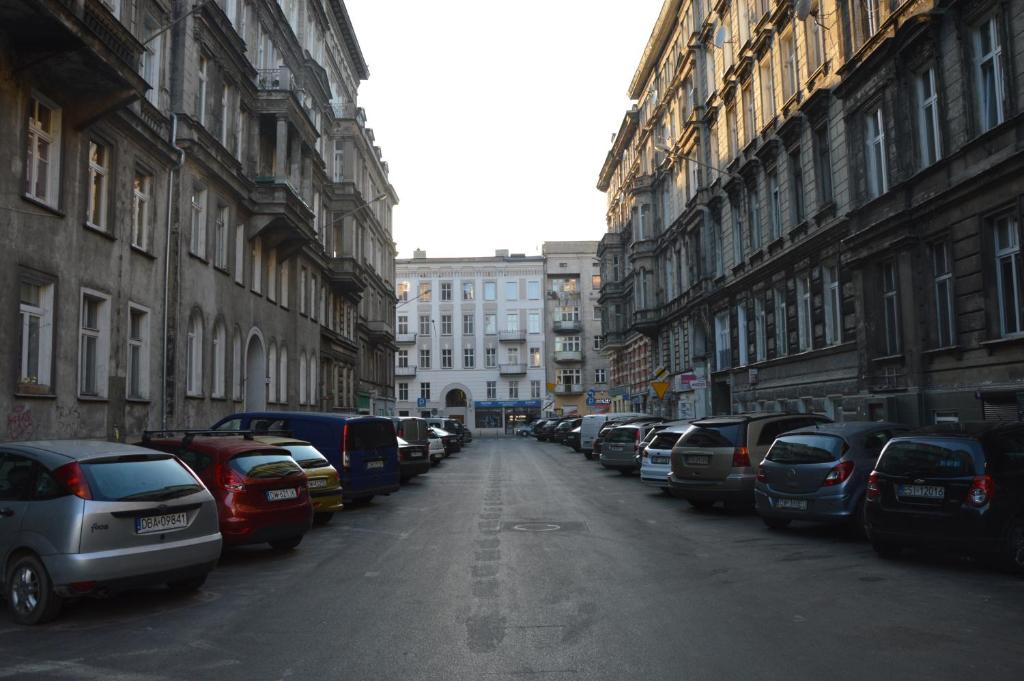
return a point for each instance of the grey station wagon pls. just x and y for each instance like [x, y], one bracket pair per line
[81, 517]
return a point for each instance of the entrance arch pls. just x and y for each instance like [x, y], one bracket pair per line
[255, 372]
[458, 402]
[456, 397]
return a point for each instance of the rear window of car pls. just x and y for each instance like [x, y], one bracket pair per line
[371, 435]
[665, 440]
[263, 464]
[798, 449]
[621, 435]
[144, 478]
[307, 456]
[715, 435]
[927, 459]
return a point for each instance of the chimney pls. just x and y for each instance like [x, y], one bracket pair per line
[501, 253]
[419, 254]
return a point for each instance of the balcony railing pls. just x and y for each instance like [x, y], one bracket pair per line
[405, 371]
[512, 336]
[274, 79]
[568, 325]
[405, 338]
[563, 356]
[511, 369]
[569, 389]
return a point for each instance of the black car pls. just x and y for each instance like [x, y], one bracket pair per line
[957, 485]
[563, 430]
[545, 431]
[573, 439]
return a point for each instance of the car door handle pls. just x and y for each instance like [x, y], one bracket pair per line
[6, 512]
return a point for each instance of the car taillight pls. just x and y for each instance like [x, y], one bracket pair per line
[73, 479]
[762, 474]
[230, 479]
[981, 491]
[344, 448]
[740, 458]
[874, 489]
[839, 474]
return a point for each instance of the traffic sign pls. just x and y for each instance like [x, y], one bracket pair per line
[421, 402]
[659, 388]
[591, 400]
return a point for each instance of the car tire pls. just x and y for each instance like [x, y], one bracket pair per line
[322, 518]
[1013, 547]
[666, 491]
[29, 592]
[776, 523]
[700, 504]
[858, 522]
[282, 545]
[885, 549]
[589, 455]
[189, 584]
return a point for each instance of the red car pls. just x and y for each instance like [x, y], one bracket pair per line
[261, 493]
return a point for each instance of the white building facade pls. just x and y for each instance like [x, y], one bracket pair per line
[470, 337]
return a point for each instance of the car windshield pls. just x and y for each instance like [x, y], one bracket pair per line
[799, 449]
[370, 435]
[621, 435]
[715, 435]
[945, 459]
[264, 465]
[142, 478]
[665, 440]
[307, 456]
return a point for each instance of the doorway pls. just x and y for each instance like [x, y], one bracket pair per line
[255, 375]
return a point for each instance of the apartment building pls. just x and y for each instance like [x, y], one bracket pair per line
[471, 339]
[228, 214]
[818, 209]
[575, 362]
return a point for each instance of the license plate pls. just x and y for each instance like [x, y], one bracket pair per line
[316, 483]
[922, 491]
[370, 465]
[795, 504]
[281, 494]
[699, 459]
[161, 523]
[660, 459]
[417, 454]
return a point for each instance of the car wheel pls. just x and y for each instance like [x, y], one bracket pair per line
[187, 585]
[286, 544]
[858, 523]
[30, 593]
[886, 549]
[666, 491]
[322, 518]
[701, 504]
[1013, 551]
[589, 455]
[776, 523]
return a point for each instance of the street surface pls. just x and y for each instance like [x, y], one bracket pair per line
[516, 560]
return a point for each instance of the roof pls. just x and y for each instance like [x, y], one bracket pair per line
[226, 445]
[83, 449]
[660, 34]
[351, 43]
[849, 428]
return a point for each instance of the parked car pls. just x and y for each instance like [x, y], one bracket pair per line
[716, 459]
[546, 429]
[562, 430]
[656, 453]
[621, 445]
[451, 425]
[525, 430]
[81, 517]
[435, 447]
[363, 449]
[618, 420]
[592, 424]
[449, 440]
[324, 484]
[955, 486]
[573, 439]
[413, 459]
[262, 494]
[467, 434]
[820, 473]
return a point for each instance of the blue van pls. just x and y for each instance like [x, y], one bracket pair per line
[362, 448]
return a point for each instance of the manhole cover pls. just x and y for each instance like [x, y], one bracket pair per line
[536, 527]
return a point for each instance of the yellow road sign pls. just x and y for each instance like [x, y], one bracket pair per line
[660, 387]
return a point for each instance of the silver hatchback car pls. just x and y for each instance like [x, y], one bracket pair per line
[82, 517]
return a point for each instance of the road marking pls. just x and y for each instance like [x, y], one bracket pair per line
[536, 527]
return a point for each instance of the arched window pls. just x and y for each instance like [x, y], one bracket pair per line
[272, 372]
[313, 394]
[194, 356]
[302, 378]
[236, 365]
[220, 357]
[282, 376]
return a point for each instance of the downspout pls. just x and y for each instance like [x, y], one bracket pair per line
[167, 266]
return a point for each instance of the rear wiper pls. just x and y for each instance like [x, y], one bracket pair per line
[166, 493]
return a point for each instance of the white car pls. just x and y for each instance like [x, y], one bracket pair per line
[436, 450]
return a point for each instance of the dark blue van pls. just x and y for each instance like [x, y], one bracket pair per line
[362, 448]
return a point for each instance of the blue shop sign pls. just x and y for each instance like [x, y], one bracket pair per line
[497, 404]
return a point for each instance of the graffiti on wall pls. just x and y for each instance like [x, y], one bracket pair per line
[19, 422]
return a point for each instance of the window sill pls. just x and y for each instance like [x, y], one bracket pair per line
[954, 350]
[100, 231]
[798, 231]
[22, 394]
[774, 245]
[92, 398]
[222, 269]
[200, 258]
[45, 206]
[138, 400]
[996, 343]
[888, 359]
[143, 252]
[224, 398]
[199, 396]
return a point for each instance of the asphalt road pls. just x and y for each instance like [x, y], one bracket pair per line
[516, 560]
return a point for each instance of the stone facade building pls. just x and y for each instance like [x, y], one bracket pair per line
[198, 219]
[822, 213]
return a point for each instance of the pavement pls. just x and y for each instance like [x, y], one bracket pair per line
[521, 560]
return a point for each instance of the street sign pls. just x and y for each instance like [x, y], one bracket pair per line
[699, 383]
[551, 387]
[421, 402]
[591, 401]
[660, 387]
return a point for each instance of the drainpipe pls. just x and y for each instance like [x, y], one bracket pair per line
[167, 266]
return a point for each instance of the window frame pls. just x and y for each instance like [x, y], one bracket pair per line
[141, 345]
[944, 288]
[52, 137]
[45, 311]
[100, 334]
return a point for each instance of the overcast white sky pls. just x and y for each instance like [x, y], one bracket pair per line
[495, 117]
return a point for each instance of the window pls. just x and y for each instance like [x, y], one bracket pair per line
[928, 117]
[945, 315]
[424, 325]
[99, 171]
[42, 156]
[283, 277]
[302, 290]
[803, 312]
[468, 291]
[767, 91]
[511, 290]
[533, 290]
[303, 376]
[787, 53]
[425, 391]
[741, 333]
[403, 358]
[736, 208]
[490, 358]
[749, 112]
[833, 290]
[151, 67]
[569, 377]
[403, 324]
[468, 358]
[1008, 275]
[226, 124]
[513, 390]
[424, 295]
[814, 34]
[240, 254]
[220, 237]
[990, 88]
[256, 268]
[140, 210]
[796, 186]
[424, 358]
[138, 353]
[760, 330]
[870, 18]
[780, 320]
[492, 390]
[512, 322]
[314, 393]
[272, 275]
[600, 376]
[775, 216]
[535, 358]
[446, 358]
[534, 390]
[446, 324]
[339, 161]
[282, 376]
[468, 324]
[723, 351]
[823, 162]
[236, 365]
[568, 344]
[490, 324]
[197, 245]
[272, 372]
[890, 301]
[403, 392]
[533, 322]
[490, 290]
[446, 291]
[194, 356]
[754, 216]
[403, 291]
[36, 336]
[94, 344]
[201, 91]
[598, 342]
[732, 130]
[597, 313]
[878, 180]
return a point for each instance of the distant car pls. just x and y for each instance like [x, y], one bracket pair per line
[81, 517]
[957, 485]
[621, 445]
[606, 427]
[591, 426]
[450, 440]
[656, 454]
[324, 485]
[562, 430]
[573, 439]
[262, 494]
[413, 459]
[821, 473]
[525, 430]
[453, 426]
[435, 448]
[467, 435]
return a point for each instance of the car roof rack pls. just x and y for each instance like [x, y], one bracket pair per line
[148, 435]
[281, 432]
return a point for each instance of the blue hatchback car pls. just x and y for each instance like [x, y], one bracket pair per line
[363, 449]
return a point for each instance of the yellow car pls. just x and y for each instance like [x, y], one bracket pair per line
[324, 485]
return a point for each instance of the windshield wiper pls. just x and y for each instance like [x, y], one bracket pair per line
[161, 495]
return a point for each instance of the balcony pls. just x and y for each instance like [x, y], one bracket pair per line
[405, 372]
[379, 331]
[278, 100]
[514, 336]
[569, 389]
[405, 338]
[347, 276]
[568, 325]
[280, 216]
[76, 48]
[647, 322]
[511, 369]
[641, 183]
[568, 356]
[614, 340]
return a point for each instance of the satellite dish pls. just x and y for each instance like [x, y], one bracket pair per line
[802, 9]
[721, 36]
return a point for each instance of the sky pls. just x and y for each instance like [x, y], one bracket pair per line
[495, 117]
